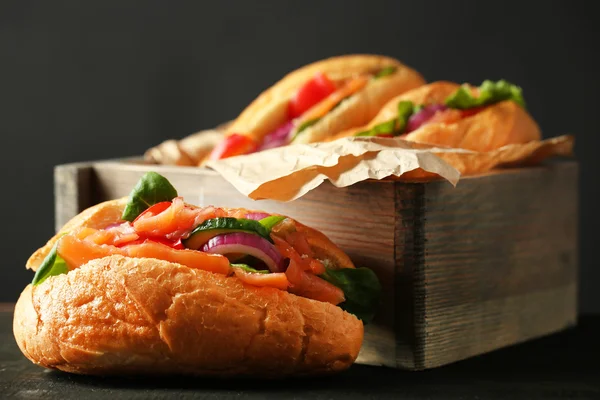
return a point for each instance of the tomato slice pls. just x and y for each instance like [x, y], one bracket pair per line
[471, 111]
[327, 104]
[154, 210]
[233, 145]
[310, 94]
[174, 222]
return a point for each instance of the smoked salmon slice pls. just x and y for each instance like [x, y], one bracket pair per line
[277, 280]
[176, 221]
[77, 252]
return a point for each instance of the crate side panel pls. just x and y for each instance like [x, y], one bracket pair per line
[500, 261]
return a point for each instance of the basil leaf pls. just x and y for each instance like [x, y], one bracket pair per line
[303, 126]
[152, 188]
[383, 128]
[396, 126]
[307, 124]
[405, 110]
[52, 265]
[385, 72]
[248, 268]
[270, 221]
[361, 288]
[489, 93]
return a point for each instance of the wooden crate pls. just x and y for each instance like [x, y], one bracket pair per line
[465, 270]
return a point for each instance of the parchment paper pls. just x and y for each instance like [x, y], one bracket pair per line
[289, 172]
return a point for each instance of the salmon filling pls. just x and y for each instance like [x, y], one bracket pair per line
[281, 258]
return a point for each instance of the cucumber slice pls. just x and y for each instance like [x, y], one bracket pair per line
[219, 226]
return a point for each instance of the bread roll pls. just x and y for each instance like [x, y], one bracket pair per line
[269, 110]
[123, 315]
[120, 315]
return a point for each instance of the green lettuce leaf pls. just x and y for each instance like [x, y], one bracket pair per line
[361, 288]
[405, 110]
[248, 268]
[385, 72]
[52, 265]
[395, 126]
[305, 125]
[152, 188]
[383, 128]
[489, 93]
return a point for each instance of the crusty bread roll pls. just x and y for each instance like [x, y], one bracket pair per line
[122, 315]
[497, 125]
[269, 110]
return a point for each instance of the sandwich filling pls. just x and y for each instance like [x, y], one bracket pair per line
[311, 102]
[261, 249]
[463, 103]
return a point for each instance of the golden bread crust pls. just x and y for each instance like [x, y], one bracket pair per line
[269, 110]
[119, 315]
[99, 216]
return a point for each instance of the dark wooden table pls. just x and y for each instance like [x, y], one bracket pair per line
[562, 366]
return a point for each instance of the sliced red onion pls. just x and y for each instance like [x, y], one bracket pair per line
[279, 137]
[257, 216]
[421, 117]
[247, 243]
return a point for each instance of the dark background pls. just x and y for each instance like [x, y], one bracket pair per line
[85, 80]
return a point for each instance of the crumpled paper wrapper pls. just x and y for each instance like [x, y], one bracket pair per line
[289, 172]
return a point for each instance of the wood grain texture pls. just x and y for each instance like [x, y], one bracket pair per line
[488, 264]
[73, 191]
[465, 270]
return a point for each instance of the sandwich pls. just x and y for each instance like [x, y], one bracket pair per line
[149, 284]
[316, 102]
[443, 113]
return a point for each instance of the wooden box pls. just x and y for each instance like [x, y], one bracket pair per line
[465, 270]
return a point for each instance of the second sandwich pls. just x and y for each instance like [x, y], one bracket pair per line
[317, 101]
[443, 113]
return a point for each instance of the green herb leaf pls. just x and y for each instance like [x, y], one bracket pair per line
[405, 110]
[489, 93]
[339, 103]
[248, 268]
[270, 221]
[393, 127]
[307, 124]
[52, 265]
[361, 288]
[303, 126]
[152, 188]
[383, 128]
[385, 72]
